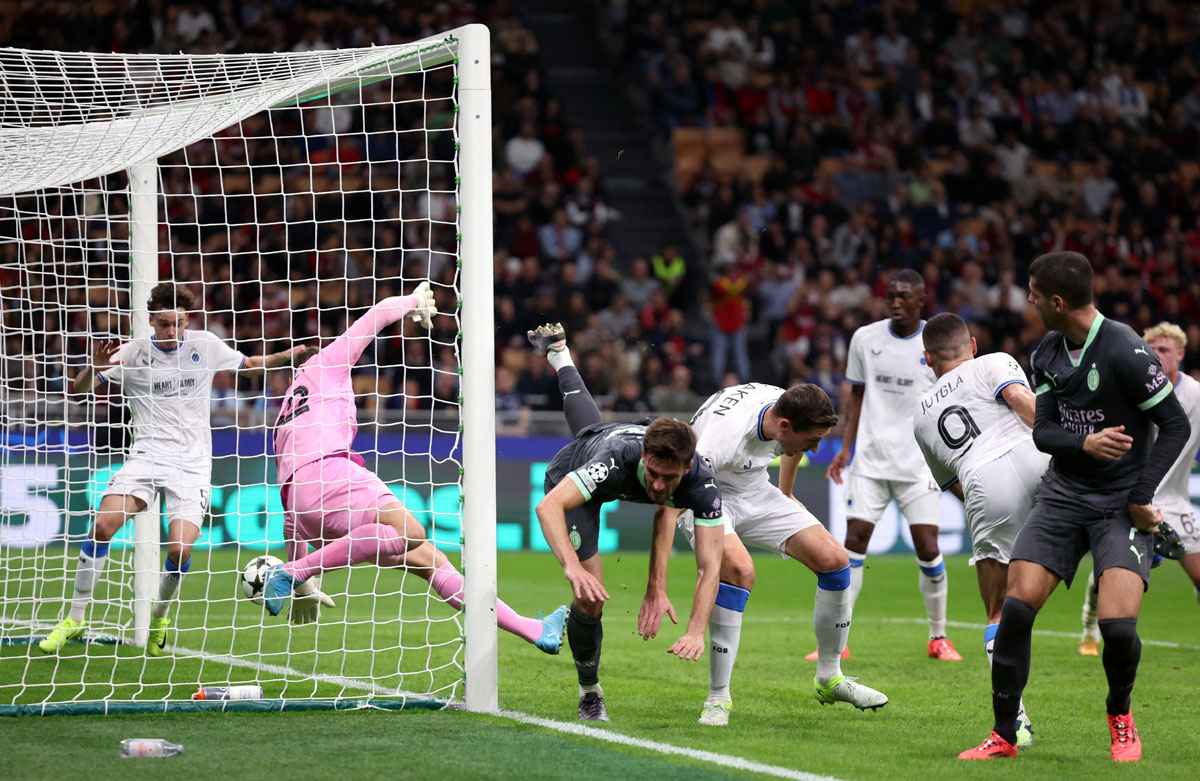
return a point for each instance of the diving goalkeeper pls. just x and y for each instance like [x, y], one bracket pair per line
[334, 503]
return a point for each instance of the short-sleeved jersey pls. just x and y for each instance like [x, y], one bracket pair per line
[963, 423]
[607, 464]
[729, 430]
[1174, 494]
[1114, 379]
[896, 376]
[169, 393]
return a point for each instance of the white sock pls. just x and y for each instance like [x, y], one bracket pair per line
[1091, 622]
[168, 585]
[559, 357]
[935, 590]
[857, 562]
[831, 622]
[86, 575]
[595, 687]
[724, 635]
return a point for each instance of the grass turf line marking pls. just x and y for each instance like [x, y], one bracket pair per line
[724, 760]
[1043, 632]
[276, 669]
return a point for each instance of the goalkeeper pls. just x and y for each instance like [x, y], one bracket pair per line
[334, 503]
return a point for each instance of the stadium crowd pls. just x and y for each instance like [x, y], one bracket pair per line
[819, 146]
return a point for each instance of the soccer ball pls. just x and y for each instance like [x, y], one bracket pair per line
[254, 575]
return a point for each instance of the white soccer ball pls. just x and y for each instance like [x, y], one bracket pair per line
[254, 575]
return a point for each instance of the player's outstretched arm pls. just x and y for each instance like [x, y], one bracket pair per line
[257, 364]
[552, 515]
[849, 433]
[102, 358]
[656, 603]
[349, 347]
[710, 547]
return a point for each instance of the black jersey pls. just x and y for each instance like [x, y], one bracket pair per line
[1115, 380]
[605, 463]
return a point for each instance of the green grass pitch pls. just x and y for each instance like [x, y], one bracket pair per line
[936, 709]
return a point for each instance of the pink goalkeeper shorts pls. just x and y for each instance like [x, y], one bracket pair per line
[328, 498]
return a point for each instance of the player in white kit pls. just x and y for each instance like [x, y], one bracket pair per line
[974, 428]
[167, 380]
[1174, 496]
[742, 430]
[888, 375]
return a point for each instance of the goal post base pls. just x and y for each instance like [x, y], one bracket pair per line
[131, 708]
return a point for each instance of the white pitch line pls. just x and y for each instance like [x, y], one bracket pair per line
[807, 619]
[1042, 632]
[724, 760]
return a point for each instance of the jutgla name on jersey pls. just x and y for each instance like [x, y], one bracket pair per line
[167, 387]
[942, 392]
[887, 379]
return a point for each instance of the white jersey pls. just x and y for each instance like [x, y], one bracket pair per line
[729, 433]
[1174, 494]
[895, 374]
[963, 423]
[168, 392]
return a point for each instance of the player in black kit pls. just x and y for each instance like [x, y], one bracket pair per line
[654, 464]
[1099, 388]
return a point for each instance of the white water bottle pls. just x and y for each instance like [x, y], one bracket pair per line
[149, 747]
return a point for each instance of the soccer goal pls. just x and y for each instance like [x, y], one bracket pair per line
[290, 192]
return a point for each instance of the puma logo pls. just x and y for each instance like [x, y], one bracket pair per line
[1137, 553]
[876, 352]
[1141, 350]
[710, 484]
[938, 579]
[568, 393]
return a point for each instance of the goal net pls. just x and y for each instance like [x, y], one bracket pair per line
[289, 193]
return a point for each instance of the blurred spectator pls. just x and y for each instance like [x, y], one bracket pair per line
[677, 396]
[730, 312]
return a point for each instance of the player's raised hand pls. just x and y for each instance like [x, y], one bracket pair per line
[103, 352]
[586, 586]
[654, 605]
[837, 465]
[426, 306]
[1146, 517]
[1108, 444]
[689, 647]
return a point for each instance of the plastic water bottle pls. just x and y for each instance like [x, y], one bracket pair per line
[149, 747]
[248, 692]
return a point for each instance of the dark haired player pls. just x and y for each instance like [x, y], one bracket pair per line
[973, 428]
[652, 464]
[1100, 388]
[888, 376]
[743, 430]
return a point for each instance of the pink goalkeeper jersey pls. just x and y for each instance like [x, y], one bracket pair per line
[318, 416]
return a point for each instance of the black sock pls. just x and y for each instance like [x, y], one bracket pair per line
[578, 404]
[584, 635]
[1122, 652]
[1010, 665]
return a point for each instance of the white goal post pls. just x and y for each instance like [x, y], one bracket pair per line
[105, 161]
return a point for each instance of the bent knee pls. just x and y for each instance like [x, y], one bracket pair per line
[831, 560]
[739, 572]
[179, 552]
[858, 535]
[589, 607]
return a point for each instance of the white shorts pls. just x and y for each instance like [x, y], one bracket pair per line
[1186, 526]
[759, 514]
[186, 490]
[868, 497]
[997, 498]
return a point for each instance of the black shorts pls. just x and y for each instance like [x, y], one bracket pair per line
[1065, 523]
[583, 523]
